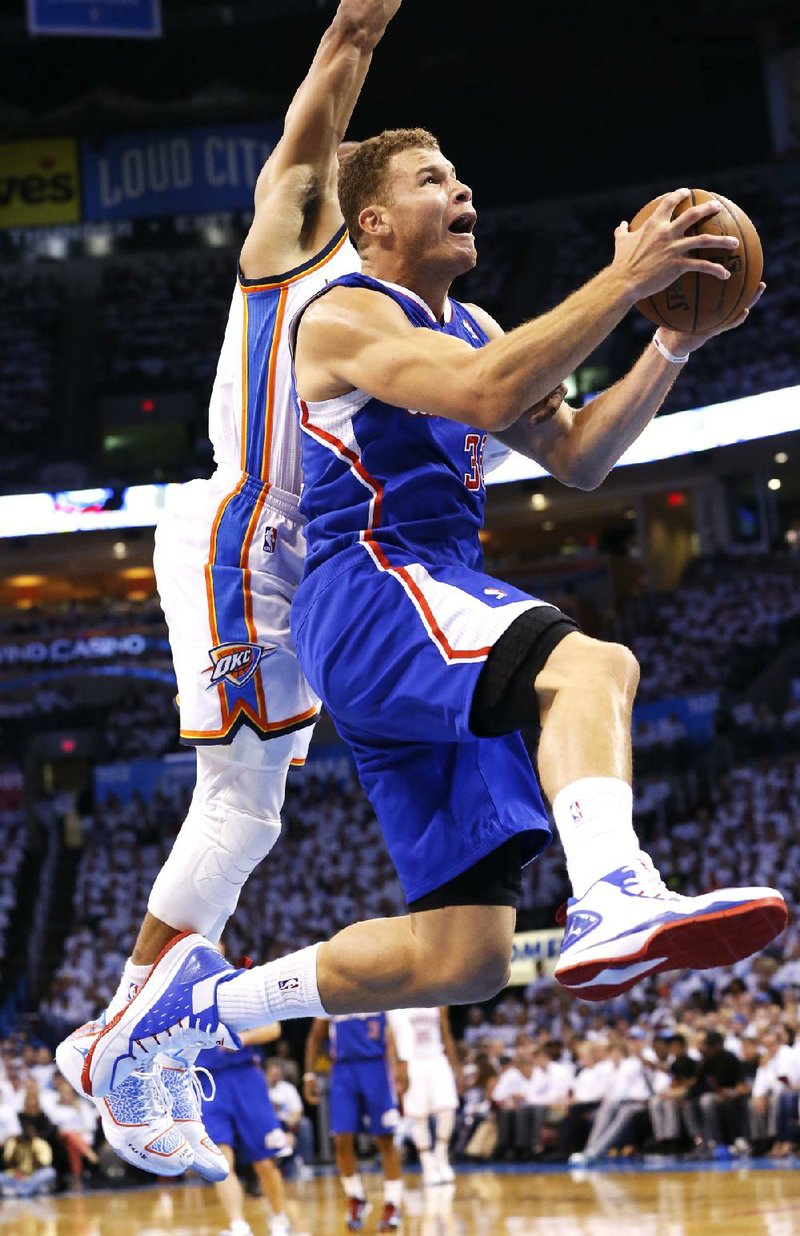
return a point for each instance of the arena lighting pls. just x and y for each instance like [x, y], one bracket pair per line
[67, 746]
[119, 549]
[684, 433]
[539, 502]
[774, 483]
[148, 406]
[25, 581]
[667, 437]
[781, 457]
[676, 498]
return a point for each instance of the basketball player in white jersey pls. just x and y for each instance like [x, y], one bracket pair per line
[228, 558]
[427, 1069]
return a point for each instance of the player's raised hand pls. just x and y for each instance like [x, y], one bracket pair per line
[659, 251]
[546, 408]
[682, 343]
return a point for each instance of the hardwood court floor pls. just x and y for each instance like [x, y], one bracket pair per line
[736, 1202]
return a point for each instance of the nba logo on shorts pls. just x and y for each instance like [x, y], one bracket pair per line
[235, 663]
[270, 540]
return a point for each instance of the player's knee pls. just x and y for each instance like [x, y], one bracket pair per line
[480, 973]
[600, 662]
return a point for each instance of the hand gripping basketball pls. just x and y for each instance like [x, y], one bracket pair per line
[661, 250]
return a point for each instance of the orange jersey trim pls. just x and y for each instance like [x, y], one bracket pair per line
[301, 274]
[272, 727]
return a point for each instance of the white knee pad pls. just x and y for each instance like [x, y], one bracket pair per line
[233, 822]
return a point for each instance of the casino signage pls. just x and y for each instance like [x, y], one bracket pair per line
[66, 650]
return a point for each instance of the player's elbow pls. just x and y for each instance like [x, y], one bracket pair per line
[487, 408]
[577, 472]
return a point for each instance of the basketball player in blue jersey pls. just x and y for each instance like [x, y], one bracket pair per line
[361, 1098]
[241, 1120]
[229, 554]
[428, 665]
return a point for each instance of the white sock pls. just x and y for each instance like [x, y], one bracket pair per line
[393, 1193]
[240, 1227]
[353, 1187]
[275, 992]
[594, 818]
[132, 979]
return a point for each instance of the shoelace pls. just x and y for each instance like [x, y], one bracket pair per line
[195, 1083]
[150, 1044]
[645, 881]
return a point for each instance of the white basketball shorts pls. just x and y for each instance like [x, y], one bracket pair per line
[431, 1088]
[228, 558]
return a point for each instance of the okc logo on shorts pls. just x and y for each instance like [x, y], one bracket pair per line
[235, 663]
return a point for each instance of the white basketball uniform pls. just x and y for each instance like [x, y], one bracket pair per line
[229, 550]
[431, 1084]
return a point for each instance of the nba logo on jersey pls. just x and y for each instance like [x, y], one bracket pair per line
[235, 663]
[270, 540]
[576, 813]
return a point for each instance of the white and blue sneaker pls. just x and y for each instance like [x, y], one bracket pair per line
[630, 925]
[137, 1118]
[175, 1008]
[184, 1086]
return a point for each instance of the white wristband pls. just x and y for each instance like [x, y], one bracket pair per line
[665, 352]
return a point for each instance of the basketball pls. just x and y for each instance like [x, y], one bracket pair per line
[699, 303]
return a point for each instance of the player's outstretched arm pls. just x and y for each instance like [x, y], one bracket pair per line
[296, 203]
[580, 446]
[313, 1050]
[355, 338]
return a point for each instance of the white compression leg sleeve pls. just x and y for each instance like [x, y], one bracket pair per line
[232, 824]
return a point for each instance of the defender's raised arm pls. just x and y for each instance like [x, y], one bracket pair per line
[297, 208]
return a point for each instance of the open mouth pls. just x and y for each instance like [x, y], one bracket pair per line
[463, 225]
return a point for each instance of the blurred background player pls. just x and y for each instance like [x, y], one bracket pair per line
[362, 1098]
[241, 1119]
[427, 1072]
[228, 558]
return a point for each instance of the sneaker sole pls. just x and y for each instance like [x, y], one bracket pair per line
[128, 1015]
[700, 943]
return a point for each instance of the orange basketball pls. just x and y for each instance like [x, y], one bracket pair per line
[699, 303]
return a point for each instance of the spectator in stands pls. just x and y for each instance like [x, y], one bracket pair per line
[289, 1109]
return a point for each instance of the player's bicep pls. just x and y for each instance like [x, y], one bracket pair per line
[362, 340]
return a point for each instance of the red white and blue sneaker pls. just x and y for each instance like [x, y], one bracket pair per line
[184, 1087]
[630, 925]
[391, 1219]
[175, 1008]
[137, 1118]
[357, 1210]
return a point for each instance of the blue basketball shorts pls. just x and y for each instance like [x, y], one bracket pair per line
[361, 1098]
[241, 1116]
[395, 649]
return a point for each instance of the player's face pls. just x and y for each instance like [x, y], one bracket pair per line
[431, 210]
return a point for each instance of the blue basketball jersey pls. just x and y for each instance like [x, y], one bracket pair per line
[393, 477]
[358, 1036]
